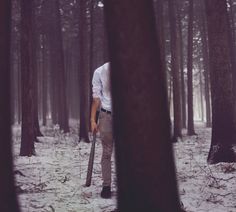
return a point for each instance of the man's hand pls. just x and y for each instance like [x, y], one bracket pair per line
[94, 108]
[94, 126]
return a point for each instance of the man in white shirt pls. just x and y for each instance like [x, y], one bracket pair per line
[102, 97]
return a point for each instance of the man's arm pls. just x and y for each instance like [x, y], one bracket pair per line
[94, 108]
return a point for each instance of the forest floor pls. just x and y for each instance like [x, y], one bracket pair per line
[53, 180]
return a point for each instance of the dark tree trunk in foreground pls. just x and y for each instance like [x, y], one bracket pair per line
[146, 171]
[84, 71]
[159, 8]
[27, 132]
[233, 46]
[232, 38]
[190, 71]
[175, 68]
[223, 123]
[8, 200]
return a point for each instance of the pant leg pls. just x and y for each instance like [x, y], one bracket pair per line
[105, 126]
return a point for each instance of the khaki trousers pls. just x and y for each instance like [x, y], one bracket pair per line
[105, 127]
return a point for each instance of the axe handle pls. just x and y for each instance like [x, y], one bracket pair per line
[90, 163]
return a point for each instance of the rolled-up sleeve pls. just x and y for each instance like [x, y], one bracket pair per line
[96, 85]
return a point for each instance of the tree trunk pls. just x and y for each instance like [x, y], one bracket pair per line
[232, 40]
[141, 115]
[36, 71]
[84, 72]
[44, 80]
[161, 30]
[50, 56]
[63, 108]
[170, 93]
[175, 68]
[183, 93]
[19, 115]
[201, 92]
[15, 61]
[52, 25]
[223, 118]
[190, 71]
[8, 200]
[27, 132]
[203, 33]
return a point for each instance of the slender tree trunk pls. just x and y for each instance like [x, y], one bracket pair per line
[183, 93]
[175, 68]
[35, 69]
[15, 55]
[60, 64]
[44, 81]
[143, 142]
[27, 132]
[53, 86]
[223, 113]
[8, 200]
[203, 33]
[190, 71]
[201, 93]
[84, 72]
[170, 93]
[13, 68]
[19, 84]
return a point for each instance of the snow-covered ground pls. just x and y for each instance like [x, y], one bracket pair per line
[204, 187]
[53, 180]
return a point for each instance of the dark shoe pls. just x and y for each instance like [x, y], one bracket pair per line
[106, 192]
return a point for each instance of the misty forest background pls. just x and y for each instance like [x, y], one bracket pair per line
[178, 62]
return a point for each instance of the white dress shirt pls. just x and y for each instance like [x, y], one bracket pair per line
[101, 86]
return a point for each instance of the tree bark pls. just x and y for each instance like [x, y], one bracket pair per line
[205, 52]
[145, 166]
[232, 40]
[27, 132]
[60, 64]
[85, 71]
[201, 92]
[161, 30]
[19, 115]
[175, 68]
[183, 93]
[8, 200]
[190, 71]
[44, 80]
[223, 117]
[36, 71]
